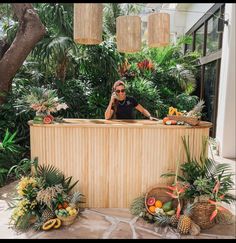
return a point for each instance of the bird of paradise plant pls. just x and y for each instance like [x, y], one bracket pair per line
[217, 202]
[178, 190]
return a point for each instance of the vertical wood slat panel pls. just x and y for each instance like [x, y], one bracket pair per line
[113, 165]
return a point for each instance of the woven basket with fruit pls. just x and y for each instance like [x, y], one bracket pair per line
[67, 216]
[192, 117]
[158, 201]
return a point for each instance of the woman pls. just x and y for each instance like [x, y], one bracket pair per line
[122, 106]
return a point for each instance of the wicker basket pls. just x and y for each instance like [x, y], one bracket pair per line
[193, 121]
[201, 214]
[67, 220]
[159, 193]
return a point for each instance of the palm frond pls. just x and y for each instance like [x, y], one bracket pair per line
[66, 183]
[50, 174]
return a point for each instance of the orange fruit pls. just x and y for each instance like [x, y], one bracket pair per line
[158, 204]
[165, 120]
[152, 209]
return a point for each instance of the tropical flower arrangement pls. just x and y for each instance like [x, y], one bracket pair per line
[44, 102]
[145, 65]
[44, 200]
[200, 191]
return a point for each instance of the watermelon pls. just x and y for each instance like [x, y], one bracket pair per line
[38, 120]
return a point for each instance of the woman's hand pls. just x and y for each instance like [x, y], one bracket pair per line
[113, 97]
[153, 118]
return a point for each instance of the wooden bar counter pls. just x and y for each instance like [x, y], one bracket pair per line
[115, 161]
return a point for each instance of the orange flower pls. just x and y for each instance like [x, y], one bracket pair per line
[145, 64]
[178, 210]
[216, 188]
[213, 214]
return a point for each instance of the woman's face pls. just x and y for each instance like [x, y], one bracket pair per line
[120, 92]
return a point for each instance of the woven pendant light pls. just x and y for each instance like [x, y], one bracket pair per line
[88, 23]
[128, 33]
[158, 29]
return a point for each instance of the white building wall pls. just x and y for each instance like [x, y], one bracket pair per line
[226, 119]
[198, 10]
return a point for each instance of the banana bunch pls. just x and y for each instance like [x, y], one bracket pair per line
[173, 111]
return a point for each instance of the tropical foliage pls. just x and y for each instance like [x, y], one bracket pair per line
[9, 152]
[83, 75]
[202, 174]
[38, 195]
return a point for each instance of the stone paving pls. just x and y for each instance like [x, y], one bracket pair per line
[103, 223]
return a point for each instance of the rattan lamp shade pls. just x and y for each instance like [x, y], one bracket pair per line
[88, 23]
[128, 33]
[158, 29]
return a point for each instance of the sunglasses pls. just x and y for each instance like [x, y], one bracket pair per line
[120, 91]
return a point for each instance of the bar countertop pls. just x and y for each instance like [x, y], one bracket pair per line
[71, 122]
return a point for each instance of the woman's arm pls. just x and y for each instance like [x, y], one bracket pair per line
[144, 112]
[109, 111]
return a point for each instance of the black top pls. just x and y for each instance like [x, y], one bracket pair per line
[125, 108]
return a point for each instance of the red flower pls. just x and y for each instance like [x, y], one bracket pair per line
[178, 210]
[222, 196]
[172, 195]
[216, 188]
[212, 202]
[47, 119]
[146, 64]
[213, 214]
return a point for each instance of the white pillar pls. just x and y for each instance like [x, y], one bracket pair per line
[225, 130]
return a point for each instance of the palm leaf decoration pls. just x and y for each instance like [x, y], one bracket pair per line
[66, 183]
[51, 175]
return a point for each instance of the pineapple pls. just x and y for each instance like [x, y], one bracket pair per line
[184, 223]
[47, 214]
[196, 111]
[162, 220]
[174, 220]
[76, 198]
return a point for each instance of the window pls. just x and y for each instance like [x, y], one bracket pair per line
[199, 40]
[212, 34]
[208, 42]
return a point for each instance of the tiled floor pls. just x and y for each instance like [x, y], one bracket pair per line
[103, 223]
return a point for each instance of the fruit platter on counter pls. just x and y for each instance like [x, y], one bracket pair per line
[192, 117]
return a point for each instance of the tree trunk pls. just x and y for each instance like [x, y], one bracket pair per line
[30, 31]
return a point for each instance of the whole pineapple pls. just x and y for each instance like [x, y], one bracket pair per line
[76, 198]
[174, 220]
[184, 223]
[197, 110]
[161, 220]
[47, 214]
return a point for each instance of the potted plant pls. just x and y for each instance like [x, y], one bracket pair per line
[209, 184]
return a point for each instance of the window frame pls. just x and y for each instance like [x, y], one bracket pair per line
[205, 59]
